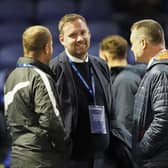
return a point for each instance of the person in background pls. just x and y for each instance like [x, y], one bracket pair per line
[31, 108]
[125, 80]
[150, 135]
[5, 138]
[83, 83]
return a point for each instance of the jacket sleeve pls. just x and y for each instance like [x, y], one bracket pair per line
[49, 116]
[157, 133]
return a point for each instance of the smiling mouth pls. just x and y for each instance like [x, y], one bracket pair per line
[81, 46]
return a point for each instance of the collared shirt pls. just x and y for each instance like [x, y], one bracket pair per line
[75, 59]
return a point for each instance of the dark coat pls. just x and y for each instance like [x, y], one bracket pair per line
[5, 139]
[67, 89]
[30, 107]
[150, 139]
[125, 82]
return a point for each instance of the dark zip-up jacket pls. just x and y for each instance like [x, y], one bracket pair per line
[125, 82]
[150, 139]
[32, 113]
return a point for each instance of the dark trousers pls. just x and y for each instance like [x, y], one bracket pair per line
[92, 163]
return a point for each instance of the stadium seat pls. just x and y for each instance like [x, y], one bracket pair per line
[9, 55]
[16, 10]
[130, 57]
[52, 25]
[101, 29]
[57, 48]
[54, 9]
[94, 49]
[12, 32]
[96, 9]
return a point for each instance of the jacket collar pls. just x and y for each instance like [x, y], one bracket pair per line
[160, 58]
[27, 60]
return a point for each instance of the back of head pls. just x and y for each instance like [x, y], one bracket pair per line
[34, 39]
[151, 30]
[115, 45]
[69, 18]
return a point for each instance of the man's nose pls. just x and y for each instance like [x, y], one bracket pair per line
[79, 37]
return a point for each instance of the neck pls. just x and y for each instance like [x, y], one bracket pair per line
[39, 58]
[81, 57]
[116, 62]
[42, 60]
[154, 50]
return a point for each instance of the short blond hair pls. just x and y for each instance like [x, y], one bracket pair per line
[115, 45]
[69, 18]
[34, 38]
[151, 29]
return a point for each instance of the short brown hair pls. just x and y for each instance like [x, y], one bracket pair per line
[115, 45]
[35, 38]
[152, 30]
[69, 18]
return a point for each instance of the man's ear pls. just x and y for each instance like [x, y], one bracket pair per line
[61, 39]
[144, 43]
[46, 48]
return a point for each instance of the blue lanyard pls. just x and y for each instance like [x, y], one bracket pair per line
[91, 90]
[25, 65]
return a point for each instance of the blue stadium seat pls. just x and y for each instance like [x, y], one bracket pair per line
[164, 6]
[130, 56]
[57, 49]
[96, 9]
[54, 9]
[9, 55]
[52, 25]
[15, 10]
[101, 29]
[12, 32]
[94, 49]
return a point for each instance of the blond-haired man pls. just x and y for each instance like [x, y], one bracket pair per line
[150, 139]
[30, 105]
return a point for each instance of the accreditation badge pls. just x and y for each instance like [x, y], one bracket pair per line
[97, 119]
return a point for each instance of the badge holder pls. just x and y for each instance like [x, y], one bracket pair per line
[97, 119]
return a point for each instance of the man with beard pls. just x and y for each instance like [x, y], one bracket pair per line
[83, 83]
